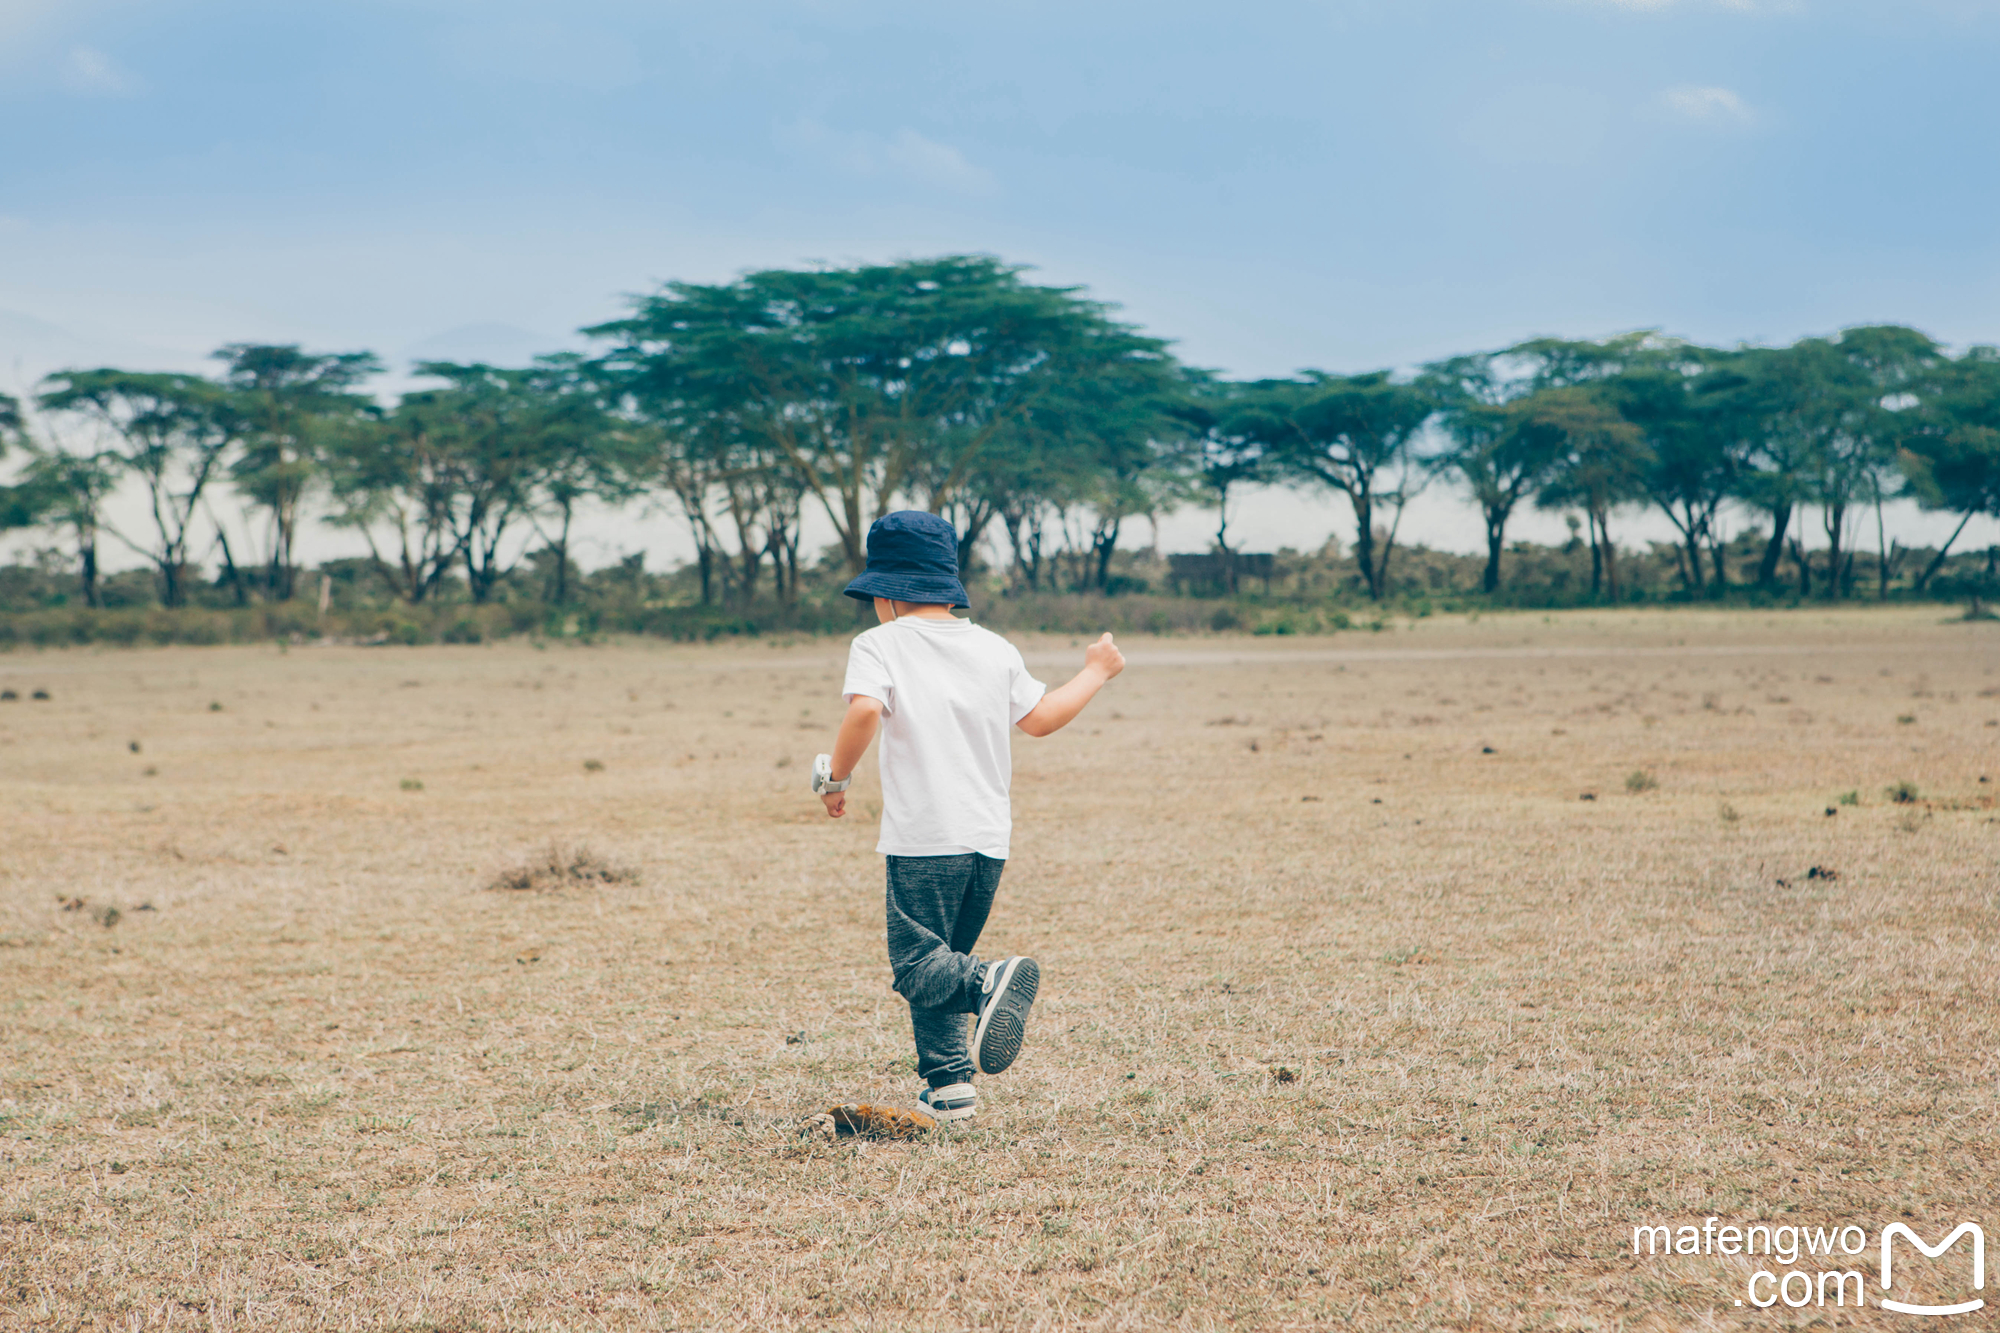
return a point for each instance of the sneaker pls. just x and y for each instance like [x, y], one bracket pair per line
[954, 1101]
[1003, 1013]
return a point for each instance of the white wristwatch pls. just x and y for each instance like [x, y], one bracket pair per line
[823, 776]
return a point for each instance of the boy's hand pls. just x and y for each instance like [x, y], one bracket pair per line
[836, 803]
[1104, 656]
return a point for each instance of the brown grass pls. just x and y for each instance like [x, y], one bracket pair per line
[332, 1082]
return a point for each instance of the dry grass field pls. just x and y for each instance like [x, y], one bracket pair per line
[1355, 1012]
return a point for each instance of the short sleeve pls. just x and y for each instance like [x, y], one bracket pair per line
[1023, 690]
[868, 674]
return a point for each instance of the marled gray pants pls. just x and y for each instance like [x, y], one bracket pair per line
[937, 906]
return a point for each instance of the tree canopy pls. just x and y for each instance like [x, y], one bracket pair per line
[1028, 414]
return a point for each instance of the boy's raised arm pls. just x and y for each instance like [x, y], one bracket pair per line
[1059, 707]
[857, 728]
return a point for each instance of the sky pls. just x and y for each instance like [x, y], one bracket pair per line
[1338, 184]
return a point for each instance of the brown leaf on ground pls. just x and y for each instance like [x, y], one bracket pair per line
[879, 1122]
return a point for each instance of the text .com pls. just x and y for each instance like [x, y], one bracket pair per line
[1824, 1265]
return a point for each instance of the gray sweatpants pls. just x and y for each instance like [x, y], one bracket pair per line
[937, 906]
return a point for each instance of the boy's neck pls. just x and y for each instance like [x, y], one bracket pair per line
[922, 611]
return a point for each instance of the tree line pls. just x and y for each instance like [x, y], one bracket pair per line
[1027, 414]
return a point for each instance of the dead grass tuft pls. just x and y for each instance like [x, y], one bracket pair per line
[562, 867]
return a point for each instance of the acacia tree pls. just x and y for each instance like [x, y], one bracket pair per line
[19, 506]
[172, 431]
[394, 473]
[59, 487]
[1096, 448]
[290, 403]
[576, 452]
[860, 379]
[491, 427]
[1693, 472]
[1496, 447]
[1356, 434]
[1600, 462]
[1768, 408]
[1884, 369]
[1221, 447]
[1950, 449]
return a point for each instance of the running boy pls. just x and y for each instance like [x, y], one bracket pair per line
[943, 692]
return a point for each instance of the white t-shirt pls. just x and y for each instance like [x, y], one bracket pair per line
[950, 693]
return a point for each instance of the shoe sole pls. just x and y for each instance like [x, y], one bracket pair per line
[1004, 1025]
[951, 1113]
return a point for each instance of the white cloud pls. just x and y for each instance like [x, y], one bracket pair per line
[89, 72]
[908, 154]
[1708, 105]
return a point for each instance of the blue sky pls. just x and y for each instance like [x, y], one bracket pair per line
[1344, 184]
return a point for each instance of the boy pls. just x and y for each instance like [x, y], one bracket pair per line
[943, 692]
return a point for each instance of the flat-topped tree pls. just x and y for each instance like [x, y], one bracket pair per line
[1950, 446]
[1356, 434]
[860, 379]
[1601, 462]
[292, 403]
[1224, 445]
[171, 431]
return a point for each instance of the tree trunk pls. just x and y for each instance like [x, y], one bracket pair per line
[1937, 561]
[281, 583]
[87, 569]
[229, 567]
[1836, 519]
[1805, 568]
[1496, 539]
[1106, 542]
[1222, 540]
[1364, 541]
[1774, 549]
[562, 559]
[1596, 556]
[1610, 554]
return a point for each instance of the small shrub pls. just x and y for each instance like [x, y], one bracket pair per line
[593, 765]
[1903, 793]
[1905, 719]
[1225, 618]
[1639, 780]
[215, 705]
[560, 867]
[1728, 813]
[1850, 798]
[412, 784]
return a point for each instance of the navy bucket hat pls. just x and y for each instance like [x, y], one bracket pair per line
[912, 557]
